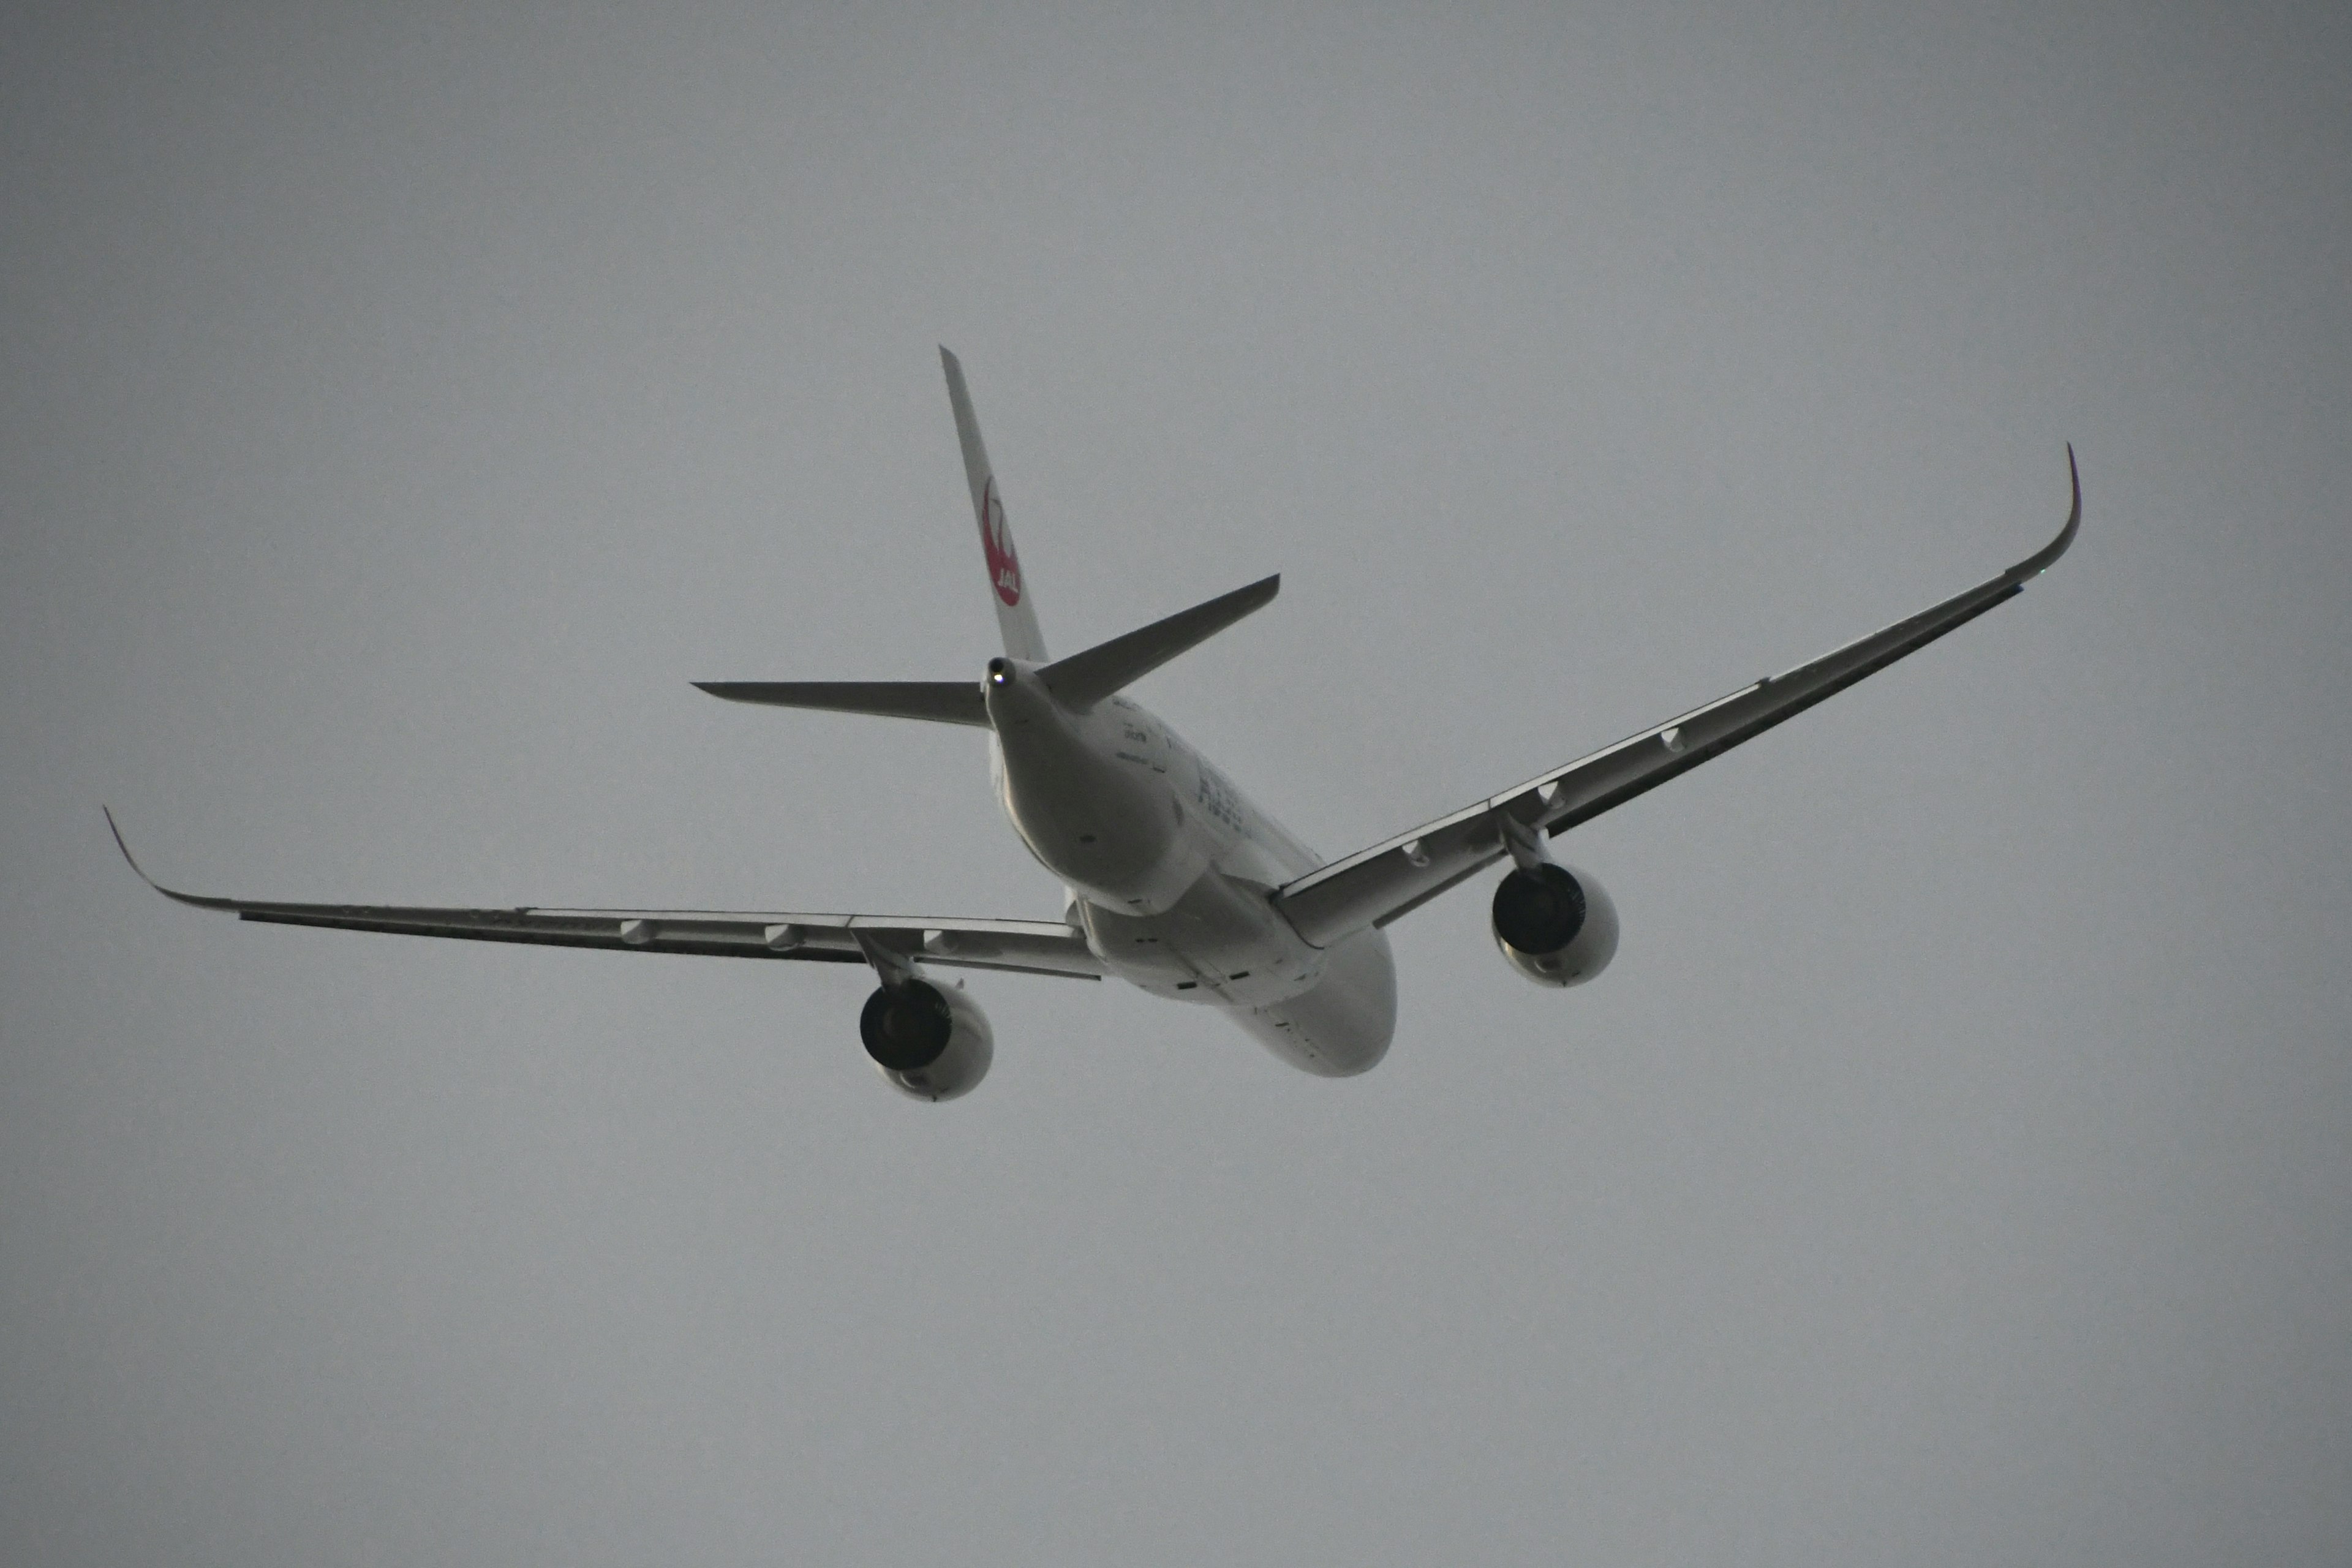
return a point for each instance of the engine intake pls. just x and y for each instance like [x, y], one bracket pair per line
[1555, 926]
[930, 1043]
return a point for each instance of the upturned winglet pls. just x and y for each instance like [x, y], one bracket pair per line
[197, 899]
[2042, 560]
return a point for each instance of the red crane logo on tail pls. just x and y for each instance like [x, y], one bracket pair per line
[996, 543]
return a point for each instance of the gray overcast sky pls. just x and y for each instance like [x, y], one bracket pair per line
[405, 403]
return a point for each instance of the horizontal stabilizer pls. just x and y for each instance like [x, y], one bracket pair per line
[941, 702]
[1084, 678]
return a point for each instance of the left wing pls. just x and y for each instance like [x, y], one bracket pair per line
[1027, 947]
[1393, 879]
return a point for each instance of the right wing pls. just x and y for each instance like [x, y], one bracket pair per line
[1027, 947]
[1394, 877]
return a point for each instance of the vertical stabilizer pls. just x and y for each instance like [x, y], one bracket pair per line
[1016, 617]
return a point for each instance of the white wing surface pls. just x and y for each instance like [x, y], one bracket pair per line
[1391, 879]
[1028, 947]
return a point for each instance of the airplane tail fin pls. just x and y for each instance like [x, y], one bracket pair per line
[1078, 682]
[1016, 614]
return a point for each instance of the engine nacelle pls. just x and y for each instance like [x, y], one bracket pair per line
[929, 1042]
[1556, 926]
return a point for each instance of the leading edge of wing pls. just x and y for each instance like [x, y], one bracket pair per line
[1380, 884]
[1029, 947]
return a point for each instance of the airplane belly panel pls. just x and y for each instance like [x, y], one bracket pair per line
[1221, 942]
[1342, 1025]
[1094, 810]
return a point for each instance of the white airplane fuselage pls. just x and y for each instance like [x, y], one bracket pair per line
[1170, 868]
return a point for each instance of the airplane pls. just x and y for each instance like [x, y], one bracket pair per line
[1176, 882]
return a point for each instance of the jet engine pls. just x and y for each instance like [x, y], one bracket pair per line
[930, 1042]
[1556, 926]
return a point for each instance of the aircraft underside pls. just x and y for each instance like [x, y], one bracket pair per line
[1175, 881]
